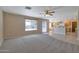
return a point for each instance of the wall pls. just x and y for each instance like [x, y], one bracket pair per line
[59, 29]
[14, 26]
[1, 27]
[78, 26]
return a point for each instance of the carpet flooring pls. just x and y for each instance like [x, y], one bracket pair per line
[40, 43]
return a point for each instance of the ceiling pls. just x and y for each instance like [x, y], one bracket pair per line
[37, 10]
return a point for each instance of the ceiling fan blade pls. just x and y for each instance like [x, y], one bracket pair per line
[52, 12]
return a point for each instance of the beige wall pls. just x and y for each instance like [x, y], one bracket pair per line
[78, 26]
[14, 26]
[1, 27]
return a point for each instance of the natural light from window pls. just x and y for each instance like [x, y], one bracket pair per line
[30, 25]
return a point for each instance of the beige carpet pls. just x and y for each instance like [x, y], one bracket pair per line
[41, 43]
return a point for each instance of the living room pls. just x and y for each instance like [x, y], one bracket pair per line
[39, 29]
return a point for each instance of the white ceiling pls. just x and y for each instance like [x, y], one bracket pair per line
[37, 10]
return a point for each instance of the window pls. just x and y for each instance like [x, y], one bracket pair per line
[30, 25]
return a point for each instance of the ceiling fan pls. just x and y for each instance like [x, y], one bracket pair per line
[48, 13]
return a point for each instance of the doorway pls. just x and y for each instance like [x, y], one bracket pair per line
[71, 27]
[74, 26]
[44, 26]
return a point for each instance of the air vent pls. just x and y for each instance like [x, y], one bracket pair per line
[29, 8]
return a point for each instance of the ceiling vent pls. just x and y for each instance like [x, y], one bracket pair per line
[27, 7]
